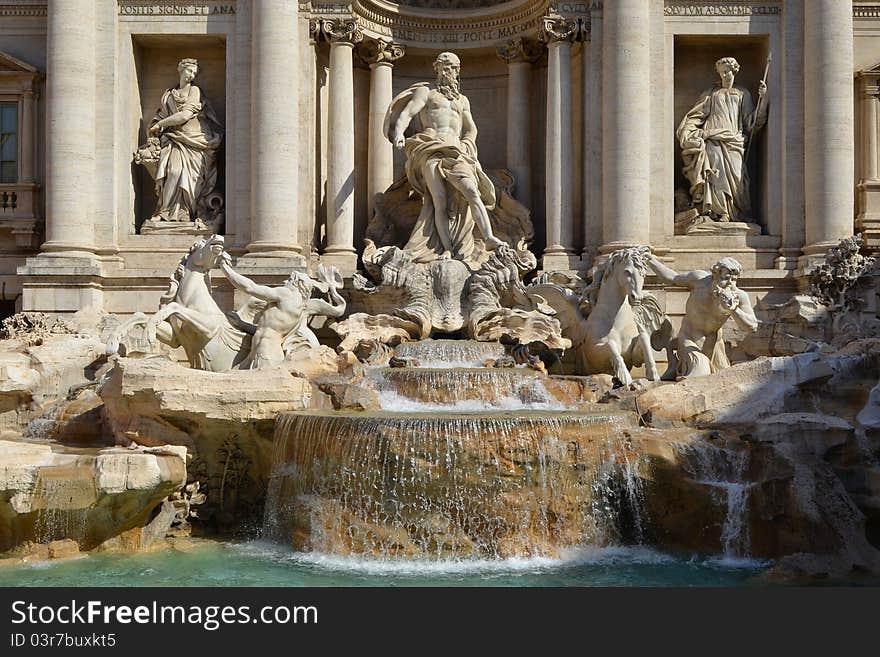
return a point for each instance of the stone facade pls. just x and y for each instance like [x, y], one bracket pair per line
[579, 100]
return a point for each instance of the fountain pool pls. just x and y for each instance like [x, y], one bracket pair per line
[260, 563]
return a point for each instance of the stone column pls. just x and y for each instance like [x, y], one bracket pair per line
[558, 33]
[380, 55]
[592, 67]
[274, 133]
[343, 35]
[870, 101]
[828, 124]
[519, 55]
[28, 146]
[626, 113]
[70, 130]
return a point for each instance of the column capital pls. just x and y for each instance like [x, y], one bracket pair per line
[343, 31]
[518, 50]
[377, 52]
[558, 29]
[314, 30]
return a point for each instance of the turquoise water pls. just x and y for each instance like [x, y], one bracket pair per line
[266, 564]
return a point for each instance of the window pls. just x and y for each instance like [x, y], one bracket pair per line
[8, 142]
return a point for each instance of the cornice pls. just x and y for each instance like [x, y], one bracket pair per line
[23, 10]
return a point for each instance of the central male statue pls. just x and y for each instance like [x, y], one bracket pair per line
[442, 166]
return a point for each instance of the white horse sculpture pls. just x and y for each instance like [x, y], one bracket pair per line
[189, 317]
[613, 323]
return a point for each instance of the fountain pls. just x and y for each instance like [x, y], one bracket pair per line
[458, 463]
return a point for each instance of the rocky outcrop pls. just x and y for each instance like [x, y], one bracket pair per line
[808, 460]
[34, 377]
[225, 420]
[49, 493]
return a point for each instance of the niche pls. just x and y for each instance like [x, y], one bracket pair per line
[694, 74]
[156, 59]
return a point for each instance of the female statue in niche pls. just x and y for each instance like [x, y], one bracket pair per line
[181, 154]
[714, 138]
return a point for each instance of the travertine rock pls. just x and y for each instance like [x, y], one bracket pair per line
[744, 392]
[225, 420]
[49, 493]
[32, 378]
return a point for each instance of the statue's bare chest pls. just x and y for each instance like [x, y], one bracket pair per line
[441, 111]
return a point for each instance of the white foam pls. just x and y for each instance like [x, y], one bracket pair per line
[582, 556]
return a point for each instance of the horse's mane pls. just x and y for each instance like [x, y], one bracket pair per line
[638, 255]
[174, 283]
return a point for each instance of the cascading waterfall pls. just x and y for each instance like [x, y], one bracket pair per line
[724, 471]
[444, 485]
[450, 353]
[61, 501]
[471, 389]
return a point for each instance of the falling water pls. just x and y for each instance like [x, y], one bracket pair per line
[441, 485]
[61, 501]
[450, 353]
[725, 472]
[474, 389]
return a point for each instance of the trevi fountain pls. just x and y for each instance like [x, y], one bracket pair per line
[502, 293]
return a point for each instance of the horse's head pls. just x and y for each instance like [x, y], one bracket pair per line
[628, 267]
[203, 254]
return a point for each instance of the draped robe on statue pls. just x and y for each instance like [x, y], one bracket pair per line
[714, 166]
[187, 168]
[455, 159]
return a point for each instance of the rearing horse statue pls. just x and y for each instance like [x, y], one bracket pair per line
[189, 317]
[613, 325]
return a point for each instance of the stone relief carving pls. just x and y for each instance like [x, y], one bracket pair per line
[698, 349]
[445, 296]
[271, 325]
[378, 51]
[519, 50]
[181, 156]
[839, 282]
[715, 137]
[442, 166]
[613, 324]
[558, 28]
[342, 29]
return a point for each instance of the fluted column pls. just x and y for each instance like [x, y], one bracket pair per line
[274, 142]
[558, 33]
[592, 81]
[870, 102]
[380, 55]
[343, 35]
[626, 135]
[828, 119]
[519, 55]
[70, 129]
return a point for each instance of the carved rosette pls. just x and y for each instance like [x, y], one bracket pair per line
[518, 50]
[343, 31]
[379, 52]
[558, 29]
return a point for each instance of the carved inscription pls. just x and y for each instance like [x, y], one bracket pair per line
[175, 9]
[680, 8]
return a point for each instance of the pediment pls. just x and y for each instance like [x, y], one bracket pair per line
[10, 64]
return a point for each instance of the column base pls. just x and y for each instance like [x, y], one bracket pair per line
[788, 259]
[62, 282]
[344, 260]
[267, 249]
[557, 258]
[611, 247]
[68, 250]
